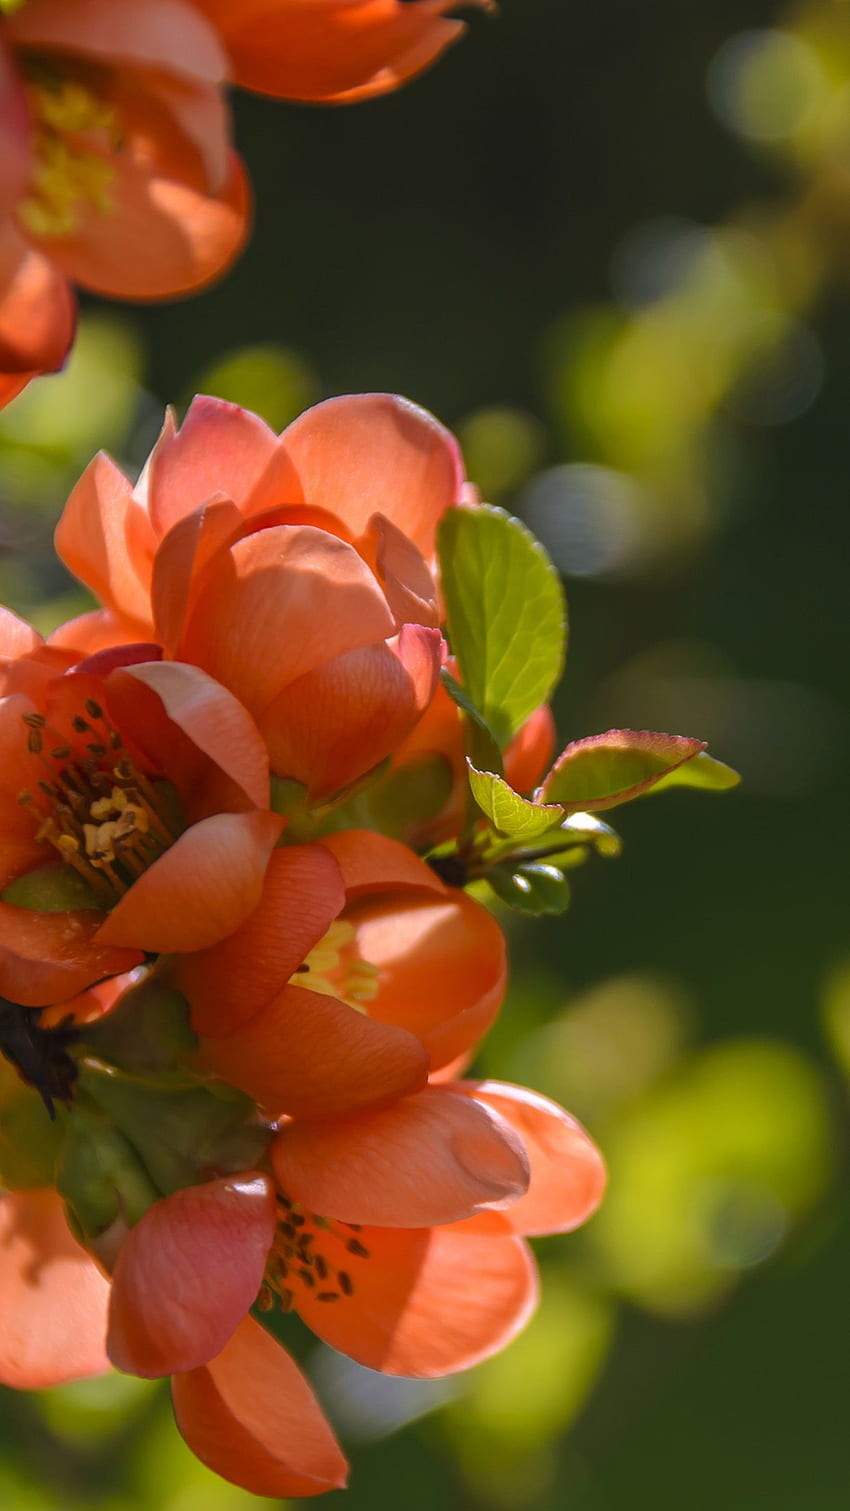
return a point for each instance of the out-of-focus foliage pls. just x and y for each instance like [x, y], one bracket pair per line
[609, 245]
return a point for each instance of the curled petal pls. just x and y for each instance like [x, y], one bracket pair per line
[441, 967]
[227, 984]
[567, 1170]
[188, 1272]
[180, 560]
[48, 957]
[219, 449]
[212, 719]
[329, 50]
[37, 309]
[409, 1165]
[166, 34]
[53, 1297]
[250, 1416]
[403, 573]
[376, 453]
[200, 890]
[278, 604]
[338, 722]
[428, 1302]
[371, 862]
[310, 1056]
[92, 540]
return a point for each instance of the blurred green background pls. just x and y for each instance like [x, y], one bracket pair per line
[609, 245]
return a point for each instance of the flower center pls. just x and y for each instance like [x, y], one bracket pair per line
[334, 968]
[101, 814]
[74, 132]
[312, 1253]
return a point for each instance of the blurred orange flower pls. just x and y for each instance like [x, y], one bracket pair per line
[116, 171]
[332, 50]
[133, 813]
[293, 568]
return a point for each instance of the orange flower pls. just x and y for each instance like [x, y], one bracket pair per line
[416, 1265]
[133, 813]
[292, 569]
[116, 172]
[332, 50]
[377, 976]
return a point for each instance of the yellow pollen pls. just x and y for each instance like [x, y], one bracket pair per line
[335, 969]
[104, 821]
[74, 136]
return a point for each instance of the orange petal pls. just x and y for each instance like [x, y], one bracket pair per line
[373, 863]
[567, 1170]
[427, 1302]
[37, 309]
[405, 1166]
[180, 560]
[291, 587]
[530, 751]
[331, 49]
[48, 957]
[339, 721]
[15, 134]
[200, 890]
[187, 1274]
[17, 638]
[167, 34]
[164, 232]
[215, 722]
[310, 1056]
[250, 1416]
[441, 968]
[375, 453]
[11, 384]
[226, 985]
[220, 448]
[97, 631]
[403, 573]
[53, 1297]
[91, 538]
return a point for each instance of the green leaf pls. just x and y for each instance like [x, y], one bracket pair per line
[512, 815]
[534, 889]
[582, 829]
[703, 772]
[481, 742]
[506, 614]
[51, 889]
[612, 768]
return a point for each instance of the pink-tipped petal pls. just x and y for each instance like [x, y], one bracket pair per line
[405, 1166]
[375, 453]
[251, 1417]
[53, 1297]
[188, 1272]
[426, 1302]
[220, 448]
[567, 1169]
[200, 890]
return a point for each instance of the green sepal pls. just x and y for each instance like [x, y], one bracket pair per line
[148, 1029]
[100, 1176]
[510, 814]
[184, 1130]
[506, 615]
[30, 1143]
[535, 888]
[51, 889]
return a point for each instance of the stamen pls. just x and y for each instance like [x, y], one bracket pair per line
[294, 1260]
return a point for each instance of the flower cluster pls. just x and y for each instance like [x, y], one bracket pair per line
[252, 811]
[116, 169]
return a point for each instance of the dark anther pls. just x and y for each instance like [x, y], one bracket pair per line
[354, 1246]
[327, 1296]
[345, 1283]
[450, 869]
[40, 1055]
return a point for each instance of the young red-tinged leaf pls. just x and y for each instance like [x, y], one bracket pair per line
[506, 614]
[510, 814]
[611, 768]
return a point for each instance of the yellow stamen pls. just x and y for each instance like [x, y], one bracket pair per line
[334, 969]
[74, 135]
